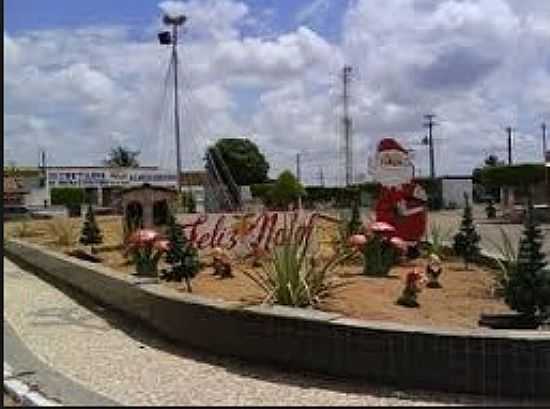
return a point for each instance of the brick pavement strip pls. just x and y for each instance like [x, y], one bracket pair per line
[129, 365]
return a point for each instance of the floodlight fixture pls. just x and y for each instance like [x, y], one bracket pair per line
[177, 20]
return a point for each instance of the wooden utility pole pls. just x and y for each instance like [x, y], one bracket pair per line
[298, 169]
[347, 126]
[430, 124]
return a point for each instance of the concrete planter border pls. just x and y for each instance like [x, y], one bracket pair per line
[481, 361]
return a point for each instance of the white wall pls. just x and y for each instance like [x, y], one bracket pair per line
[454, 189]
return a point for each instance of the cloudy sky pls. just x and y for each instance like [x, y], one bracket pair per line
[81, 77]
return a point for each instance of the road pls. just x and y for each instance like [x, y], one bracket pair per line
[100, 352]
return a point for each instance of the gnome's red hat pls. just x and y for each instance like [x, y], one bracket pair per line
[388, 144]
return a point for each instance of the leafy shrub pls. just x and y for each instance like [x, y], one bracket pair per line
[63, 231]
[293, 276]
[379, 256]
[67, 196]
[286, 190]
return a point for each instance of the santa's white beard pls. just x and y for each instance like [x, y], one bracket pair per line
[393, 175]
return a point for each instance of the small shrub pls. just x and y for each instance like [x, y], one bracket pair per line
[294, 276]
[181, 255]
[63, 231]
[466, 241]
[527, 289]
[379, 256]
[90, 233]
[490, 209]
[286, 190]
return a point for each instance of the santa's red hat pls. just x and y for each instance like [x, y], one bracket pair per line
[390, 144]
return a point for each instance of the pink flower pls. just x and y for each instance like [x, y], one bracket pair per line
[162, 245]
[382, 227]
[357, 240]
[399, 244]
[143, 237]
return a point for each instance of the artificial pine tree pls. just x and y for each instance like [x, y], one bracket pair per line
[466, 241]
[528, 287]
[354, 224]
[182, 256]
[90, 233]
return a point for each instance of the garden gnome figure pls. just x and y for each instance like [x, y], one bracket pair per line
[433, 271]
[401, 202]
[221, 263]
[413, 286]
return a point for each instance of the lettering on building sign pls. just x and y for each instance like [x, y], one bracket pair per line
[262, 231]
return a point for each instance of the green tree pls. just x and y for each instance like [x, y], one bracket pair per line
[466, 241]
[122, 157]
[90, 233]
[528, 288]
[182, 256]
[241, 158]
[286, 190]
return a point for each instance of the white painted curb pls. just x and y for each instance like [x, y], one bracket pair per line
[21, 393]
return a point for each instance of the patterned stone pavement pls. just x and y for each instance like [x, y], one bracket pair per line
[123, 362]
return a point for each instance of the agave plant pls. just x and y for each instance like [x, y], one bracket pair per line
[507, 261]
[436, 239]
[293, 276]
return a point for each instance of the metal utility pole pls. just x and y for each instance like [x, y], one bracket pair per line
[321, 177]
[430, 124]
[347, 126]
[509, 131]
[543, 126]
[298, 170]
[166, 38]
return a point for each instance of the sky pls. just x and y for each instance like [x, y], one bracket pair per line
[81, 77]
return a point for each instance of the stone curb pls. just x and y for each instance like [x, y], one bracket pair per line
[23, 393]
[480, 361]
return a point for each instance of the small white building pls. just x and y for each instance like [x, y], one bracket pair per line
[453, 189]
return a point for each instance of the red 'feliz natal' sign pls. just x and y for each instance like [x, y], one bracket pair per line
[226, 231]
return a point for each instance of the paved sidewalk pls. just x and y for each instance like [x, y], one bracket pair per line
[109, 356]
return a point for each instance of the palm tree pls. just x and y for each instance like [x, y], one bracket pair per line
[122, 157]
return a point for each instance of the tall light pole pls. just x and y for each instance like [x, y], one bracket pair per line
[509, 131]
[166, 38]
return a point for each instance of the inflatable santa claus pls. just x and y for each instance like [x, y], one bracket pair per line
[401, 202]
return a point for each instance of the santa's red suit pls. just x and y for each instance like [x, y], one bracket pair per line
[404, 208]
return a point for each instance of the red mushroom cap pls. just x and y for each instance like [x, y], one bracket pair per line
[144, 236]
[357, 240]
[382, 227]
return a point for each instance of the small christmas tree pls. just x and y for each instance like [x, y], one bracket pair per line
[90, 234]
[466, 241]
[354, 224]
[528, 288]
[181, 255]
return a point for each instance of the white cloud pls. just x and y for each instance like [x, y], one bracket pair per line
[480, 65]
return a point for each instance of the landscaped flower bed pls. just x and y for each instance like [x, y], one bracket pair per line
[463, 296]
